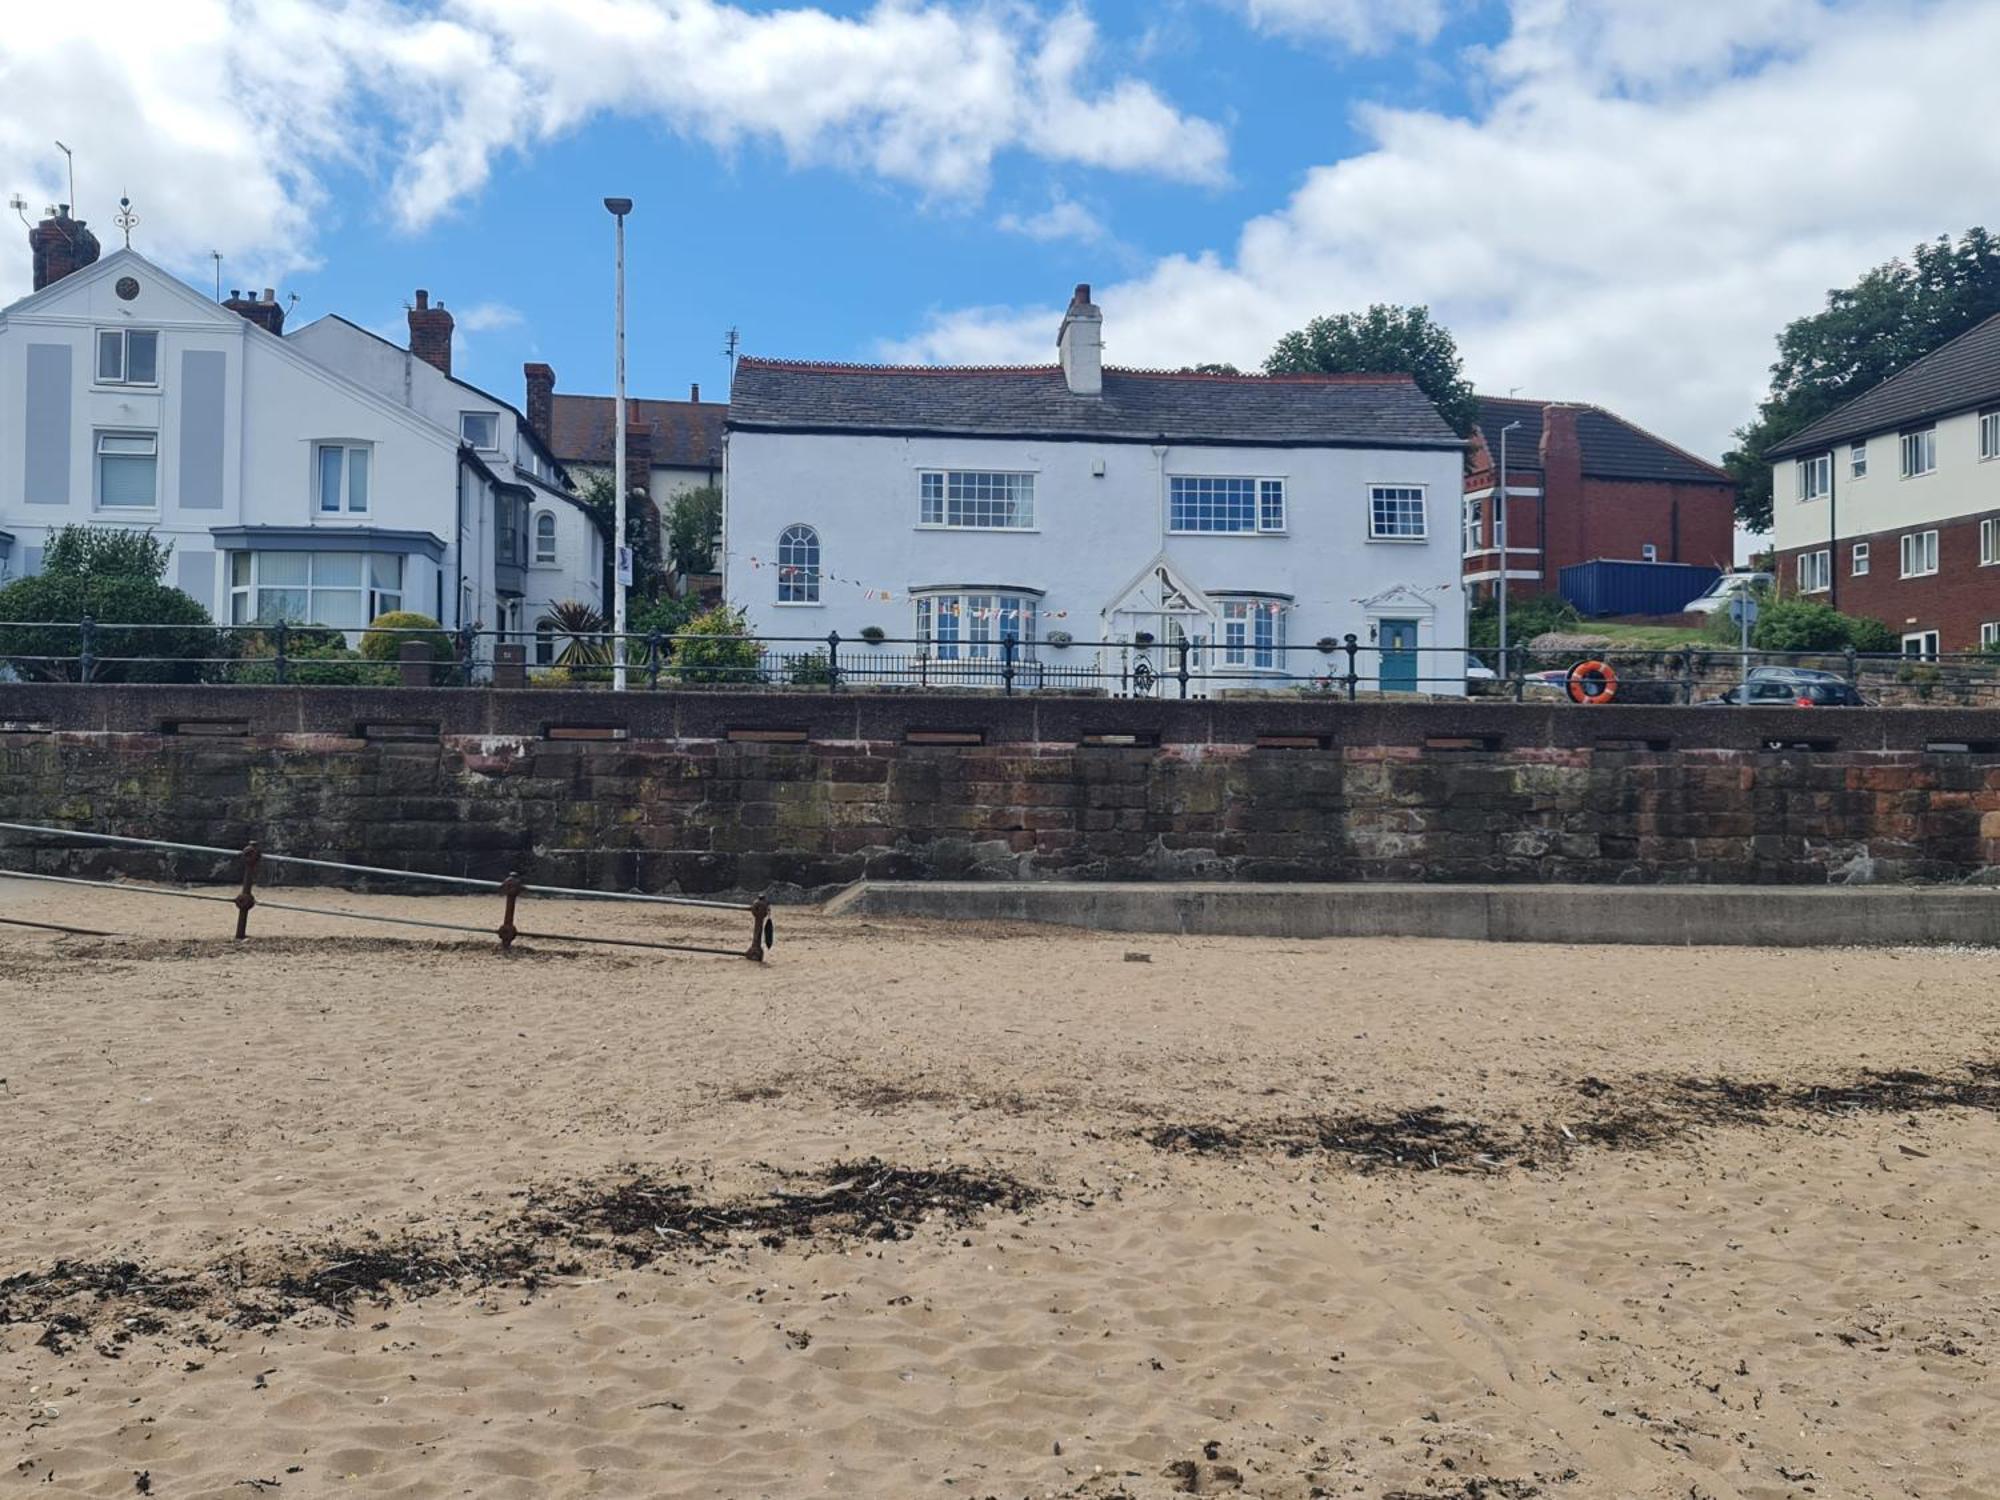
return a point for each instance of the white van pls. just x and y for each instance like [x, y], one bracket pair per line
[1727, 587]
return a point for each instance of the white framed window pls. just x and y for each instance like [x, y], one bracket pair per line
[1857, 460]
[971, 626]
[342, 482]
[975, 500]
[128, 470]
[343, 590]
[1253, 633]
[480, 428]
[1989, 635]
[128, 356]
[1921, 643]
[545, 646]
[1989, 542]
[798, 565]
[545, 538]
[1815, 571]
[1396, 513]
[1919, 452]
[1858, 564]
[1815, 476]
[1649, 552]
[1920, 553]
[1989, 433]
[1229, 505]
[1475, 516]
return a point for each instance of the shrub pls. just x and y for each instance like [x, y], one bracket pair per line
[810, 670]
[1872, 636]
[106, 552]
[1526, 619]
[717, 647]
[383, 640]
[1802, 625]
[874, 635]
[691, 529]
[314, 656]
[177, 651]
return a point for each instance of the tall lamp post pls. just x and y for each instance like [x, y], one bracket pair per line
[621, 557]
[1500, 541]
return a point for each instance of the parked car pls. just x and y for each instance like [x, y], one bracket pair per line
[1726, 588]
[1790, 687]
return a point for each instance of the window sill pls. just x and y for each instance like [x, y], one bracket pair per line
[126, 510]
[798, 604]
[1420, 540]
[1931, 574]
[1013, 530]
[107, 388]
[1171, 532]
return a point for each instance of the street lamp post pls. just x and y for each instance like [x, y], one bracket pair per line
[621, 566]
[1500, 541]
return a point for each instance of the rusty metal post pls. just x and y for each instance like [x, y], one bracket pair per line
[760, 930]
[511, 889]
[246, 898]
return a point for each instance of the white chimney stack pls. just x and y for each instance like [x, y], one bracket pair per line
[1080, 342]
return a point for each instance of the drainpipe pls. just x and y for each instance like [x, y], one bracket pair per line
[458, 546]
[1832, 529]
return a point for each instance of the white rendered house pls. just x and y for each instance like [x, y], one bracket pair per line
[1241, 514]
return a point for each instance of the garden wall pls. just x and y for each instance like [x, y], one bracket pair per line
[710, 792]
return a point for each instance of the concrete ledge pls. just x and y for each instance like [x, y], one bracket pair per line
[1751, 916]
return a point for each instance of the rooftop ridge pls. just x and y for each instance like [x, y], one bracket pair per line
[842, 367]
[1812, 433]
[1693, 458]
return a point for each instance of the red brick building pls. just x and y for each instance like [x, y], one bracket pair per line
[1584, 484]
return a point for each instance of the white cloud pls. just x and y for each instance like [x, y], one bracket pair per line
[1631, 220]
[1359, 25]
[225, 116]
[483, 317]
[1063, 219]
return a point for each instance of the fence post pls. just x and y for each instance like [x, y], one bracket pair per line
[86, 657]
[246, 898]
[1183, 645]
[1007, 665]
[1853, 668]
[833, 661]
[465, 642]
[653, 658]
[511, 889]
[282, 667]
[1351, 644]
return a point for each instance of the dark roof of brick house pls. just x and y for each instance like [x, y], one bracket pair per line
[1954, 377]
[1611, 447]
[1375, 411]
[686, 434]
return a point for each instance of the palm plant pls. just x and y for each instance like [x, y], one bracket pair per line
[582, 629]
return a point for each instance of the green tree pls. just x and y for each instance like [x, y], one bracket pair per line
[1384, 340]
[1893, 315]
[383, 641]
[642, 535]
[1210, 369]
[691, 529]
[1802, 625]
[113, 578]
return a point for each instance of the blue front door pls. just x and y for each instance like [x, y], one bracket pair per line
[1397, 640]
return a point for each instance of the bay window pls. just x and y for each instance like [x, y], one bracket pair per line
[970, 625]
[340, 590]
[1253, 633]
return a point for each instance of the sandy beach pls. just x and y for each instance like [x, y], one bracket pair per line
[913, 1210]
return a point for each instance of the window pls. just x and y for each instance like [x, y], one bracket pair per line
[1205, 503]
[1253, 633]
[1648, 552]
[1920, 553]
[1989, 542]
[798, 566]
[128, 356]
[1989, 635]
[1989, 434]
[1396, 513]
[1921, 643]
[480, 428]
[976, 500]
[545, 538]
[128, 466]
[1815, 571]
[343, 479]
[343, 590]
[1859, 566]
[545, 646]
[1919, 452]
[1815, 476]
[1857, 460]
[1475, 517]
[971, 626]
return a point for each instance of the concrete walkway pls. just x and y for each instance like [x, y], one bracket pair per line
[1756, 916]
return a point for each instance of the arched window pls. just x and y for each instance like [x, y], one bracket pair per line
[798, 566]
[545, 537]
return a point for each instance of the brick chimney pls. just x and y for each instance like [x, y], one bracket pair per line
[1080, 344]
[60, 245]
[541, 402]
[694, 392]
[264, 311]
[1567, 516]
[430, 332]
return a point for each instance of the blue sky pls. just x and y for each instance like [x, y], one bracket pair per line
[1617, 201]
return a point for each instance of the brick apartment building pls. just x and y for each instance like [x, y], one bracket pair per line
[1889, 506]
[1584, 484]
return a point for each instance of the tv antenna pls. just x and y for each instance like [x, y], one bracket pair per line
[70, 157]
[216, 256]
[20, 206]
[731, 342]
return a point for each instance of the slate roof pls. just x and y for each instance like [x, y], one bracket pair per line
[1611, 447]
[686, 434]
[1954, 377]
[1374, 411]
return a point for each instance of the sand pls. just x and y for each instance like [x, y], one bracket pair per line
[1774, 1299]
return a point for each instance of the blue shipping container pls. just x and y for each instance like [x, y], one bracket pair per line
[1606, 586]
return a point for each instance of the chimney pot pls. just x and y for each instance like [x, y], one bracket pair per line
[694, 392]
[423, 298]
[270, 294]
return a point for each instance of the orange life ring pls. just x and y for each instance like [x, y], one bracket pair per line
[1592, 682]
